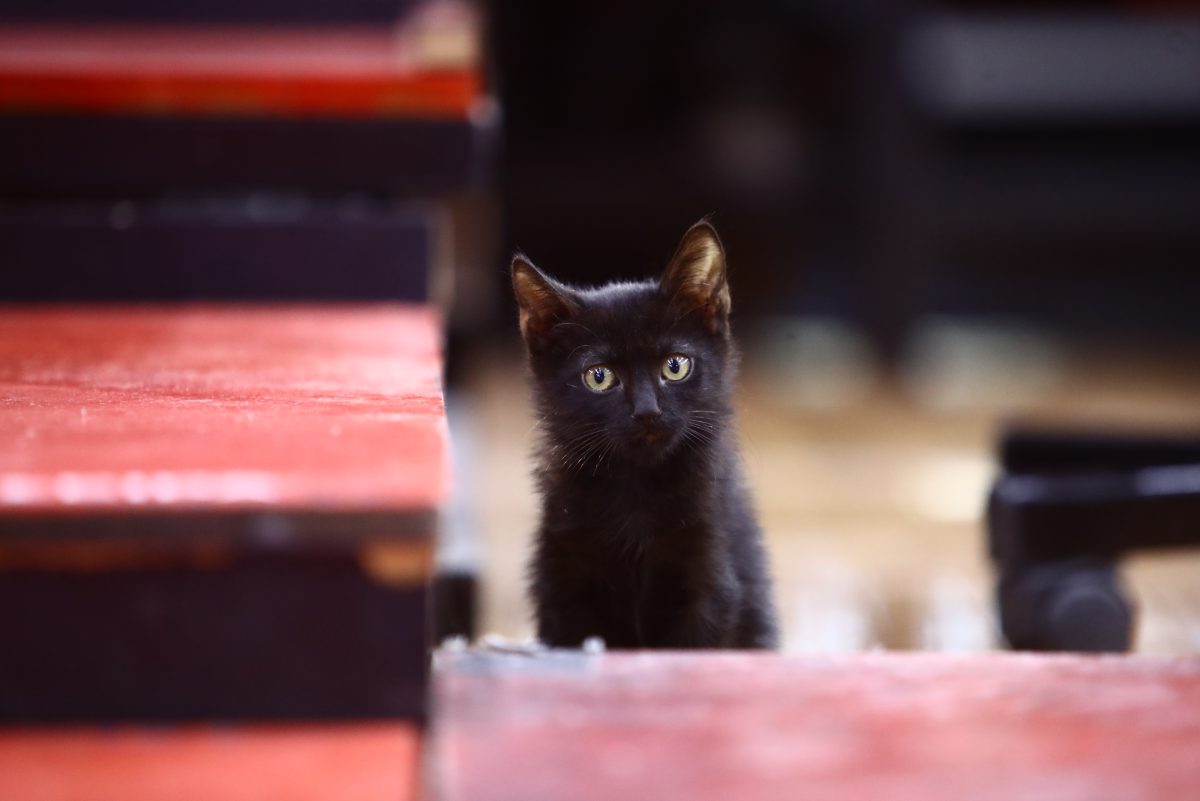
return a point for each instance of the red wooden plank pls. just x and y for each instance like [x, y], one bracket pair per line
[310, 408]
[426, 67]
[901, 727]
[375, 762]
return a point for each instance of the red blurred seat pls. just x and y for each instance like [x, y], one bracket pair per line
[221, 512]
[769, 727]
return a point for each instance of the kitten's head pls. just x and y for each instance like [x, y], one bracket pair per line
[631, 372]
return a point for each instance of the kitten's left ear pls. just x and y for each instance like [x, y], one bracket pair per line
[695, 278]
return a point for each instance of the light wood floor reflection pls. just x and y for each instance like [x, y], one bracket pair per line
[869, 483]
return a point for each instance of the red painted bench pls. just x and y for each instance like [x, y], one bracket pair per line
[221, 512]
[364, 762]
[425, 66]
[124, 111]
[900, 727]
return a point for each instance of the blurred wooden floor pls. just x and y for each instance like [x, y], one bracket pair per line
[869, 484]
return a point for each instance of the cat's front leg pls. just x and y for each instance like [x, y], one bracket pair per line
[756, 627]
[704, 621]
[566, 628]
[687, 603]
[571, 611]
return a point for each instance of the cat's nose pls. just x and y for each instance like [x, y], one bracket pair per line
[644, 401]
[648, 415]
[645, 404]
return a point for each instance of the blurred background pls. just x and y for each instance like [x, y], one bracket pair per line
[939, 217]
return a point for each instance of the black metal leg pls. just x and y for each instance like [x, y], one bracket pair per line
[1066, 605]
[454, 605]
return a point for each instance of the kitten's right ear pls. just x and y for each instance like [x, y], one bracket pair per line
[543, 302]
[695, 278]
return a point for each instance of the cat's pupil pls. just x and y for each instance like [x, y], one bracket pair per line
[673, 365]
[598, 375]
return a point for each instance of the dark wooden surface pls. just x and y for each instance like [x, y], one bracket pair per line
[902, 727]
[372, 762]
[274, 636]
[231, 251]
[126, 155]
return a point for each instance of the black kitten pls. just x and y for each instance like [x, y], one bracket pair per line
[647, 536]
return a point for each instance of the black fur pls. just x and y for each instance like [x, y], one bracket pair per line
[647, 535]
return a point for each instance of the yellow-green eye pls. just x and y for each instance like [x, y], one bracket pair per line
[676, 367]
[599, 378]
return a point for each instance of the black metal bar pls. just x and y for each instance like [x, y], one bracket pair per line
[1034, 450]
[1068, 507]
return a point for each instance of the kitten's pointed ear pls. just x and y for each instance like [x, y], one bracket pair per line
[542, 301]
[695, 278]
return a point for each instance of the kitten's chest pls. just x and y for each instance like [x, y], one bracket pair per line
[632, 562]
[636, 550]
[632, 526]
[637, 506]
[634, 538]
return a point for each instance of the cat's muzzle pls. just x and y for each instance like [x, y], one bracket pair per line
[651, 432]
